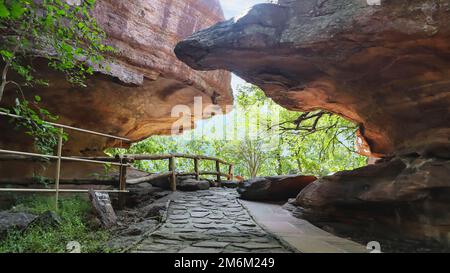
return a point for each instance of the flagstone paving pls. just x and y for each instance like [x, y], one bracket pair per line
[211, 221]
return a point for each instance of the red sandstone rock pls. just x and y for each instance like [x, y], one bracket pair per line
[274, 188]
[134, 99]
[403, 197]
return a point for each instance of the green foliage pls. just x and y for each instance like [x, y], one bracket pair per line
[317, 148]
[45, 181]
[45, 135]
[67, 35]
[73, 212]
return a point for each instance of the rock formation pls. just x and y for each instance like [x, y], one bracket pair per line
[386, 68]
[274, 188]
[402, 197]
[135, 98]
[383, 67]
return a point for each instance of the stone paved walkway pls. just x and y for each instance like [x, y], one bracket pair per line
[298, 233]
[211, 221]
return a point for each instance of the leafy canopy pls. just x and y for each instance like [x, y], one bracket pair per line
[66, 35]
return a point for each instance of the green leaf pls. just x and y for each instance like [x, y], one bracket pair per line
[17, 10]
[4, 12]
[6, 54]
[37, 98]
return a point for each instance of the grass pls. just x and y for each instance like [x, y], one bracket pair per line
[75, 226]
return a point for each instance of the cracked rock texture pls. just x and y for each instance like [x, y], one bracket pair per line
[274, 188]
[135, 98]
[386, 68]
[398, 198]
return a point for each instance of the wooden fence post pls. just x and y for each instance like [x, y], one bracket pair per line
[173, 176]
[218, 172]
[122, 184]
[231, 172]
[58, 167]
[197, 173]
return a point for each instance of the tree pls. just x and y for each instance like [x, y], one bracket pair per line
[64, 34]
[253, 155]
[316, 143]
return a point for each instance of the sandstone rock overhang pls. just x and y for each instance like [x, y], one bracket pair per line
[386, 68]
[135, 97]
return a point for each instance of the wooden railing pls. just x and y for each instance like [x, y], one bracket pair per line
[122, 161]
[172, 169]
[59, 158]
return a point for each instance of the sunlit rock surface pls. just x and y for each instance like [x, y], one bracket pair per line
[135, 97]
[384, 67]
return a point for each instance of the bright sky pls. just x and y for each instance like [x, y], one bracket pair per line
[233, 8]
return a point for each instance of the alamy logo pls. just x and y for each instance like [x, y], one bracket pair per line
[374, 2]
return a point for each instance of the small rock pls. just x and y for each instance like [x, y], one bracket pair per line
[48, 219]
[14, 220]
[153, 210]
[140, 228]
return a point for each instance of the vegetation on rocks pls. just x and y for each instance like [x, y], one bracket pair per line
[75, 226]
[66, 36]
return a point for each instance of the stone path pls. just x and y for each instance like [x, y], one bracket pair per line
[298, 233]
[210, 221]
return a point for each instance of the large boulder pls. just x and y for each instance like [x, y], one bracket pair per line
[385, 67]
[230, 184]
[401, 197]
[133, 99]
[10, 221]
[144, 193]
[184, 183]
[47, 220]
[192, 184]
[274, 188]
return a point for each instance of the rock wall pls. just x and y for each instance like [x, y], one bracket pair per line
[273, 188]
[397, 198]
[135, 98]
[386, 68]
